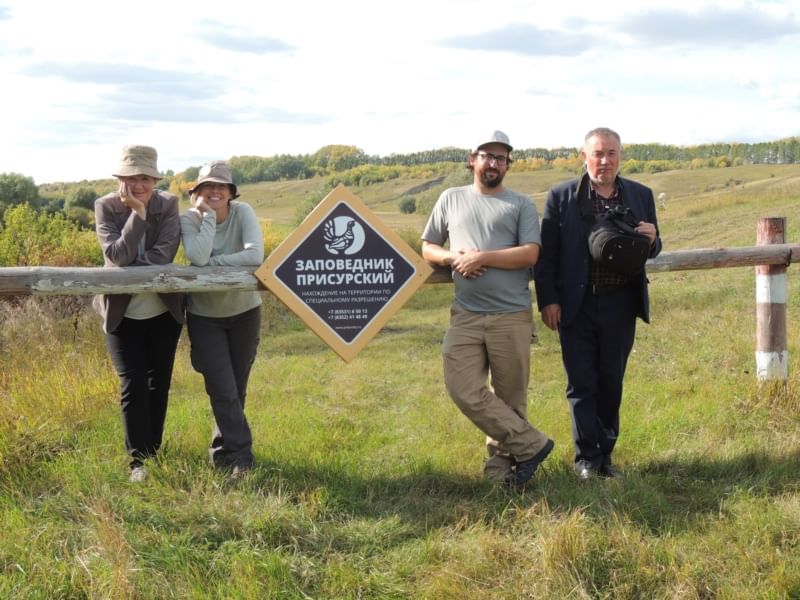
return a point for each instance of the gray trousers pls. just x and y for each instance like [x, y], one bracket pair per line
[223, 351]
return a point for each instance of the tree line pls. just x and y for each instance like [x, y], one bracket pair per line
[352, 166]
[339, 158]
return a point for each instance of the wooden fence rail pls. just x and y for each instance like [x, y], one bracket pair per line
[770, 259]
[80, 281]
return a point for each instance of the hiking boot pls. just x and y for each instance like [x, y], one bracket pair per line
[526, 468]
[498, 468]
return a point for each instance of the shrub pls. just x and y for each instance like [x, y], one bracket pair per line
[82, 216]
[572, 163]
[273, 236]
[30, 238]
[83, 197]
[408, 205]
[534, 163]
[631, 166]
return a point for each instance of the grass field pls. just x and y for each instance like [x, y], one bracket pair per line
[368, 482]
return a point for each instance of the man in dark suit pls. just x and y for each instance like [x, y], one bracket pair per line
[593, 307]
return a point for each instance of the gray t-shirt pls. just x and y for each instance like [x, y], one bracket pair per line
[470, 220]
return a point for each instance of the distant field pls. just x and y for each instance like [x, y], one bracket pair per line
[276, 201]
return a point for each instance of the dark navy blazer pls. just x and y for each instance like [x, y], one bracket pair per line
[561, 275]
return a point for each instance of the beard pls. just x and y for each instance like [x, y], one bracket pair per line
[491, 182]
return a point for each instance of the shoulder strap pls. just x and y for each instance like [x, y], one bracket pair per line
[585, 204]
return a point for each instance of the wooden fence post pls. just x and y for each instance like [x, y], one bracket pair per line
[772, 355]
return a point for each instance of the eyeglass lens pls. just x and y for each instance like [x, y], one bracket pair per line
[489, 157]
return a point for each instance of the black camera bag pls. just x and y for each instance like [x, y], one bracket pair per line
[614, 243]
[612, 238]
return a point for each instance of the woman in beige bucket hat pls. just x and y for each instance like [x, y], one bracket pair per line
[139, 225]
[224, 327]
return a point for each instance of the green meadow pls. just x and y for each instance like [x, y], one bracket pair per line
[369, 480]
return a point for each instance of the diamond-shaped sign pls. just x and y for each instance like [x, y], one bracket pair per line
[343, 272]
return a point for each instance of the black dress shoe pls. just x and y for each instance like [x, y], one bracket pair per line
[585, 470]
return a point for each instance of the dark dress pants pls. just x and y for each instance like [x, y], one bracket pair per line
[143, 354]
[223, 351]
[595, 349]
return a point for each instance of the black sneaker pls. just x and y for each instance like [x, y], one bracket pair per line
[526, 468]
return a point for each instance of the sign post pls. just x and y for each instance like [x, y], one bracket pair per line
[343, 272]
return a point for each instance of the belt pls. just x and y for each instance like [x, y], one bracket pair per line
[607, 290]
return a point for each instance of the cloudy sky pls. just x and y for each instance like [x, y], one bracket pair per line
[202, 80]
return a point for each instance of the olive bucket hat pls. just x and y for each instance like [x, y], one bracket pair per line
[138, 160]
[217, 171]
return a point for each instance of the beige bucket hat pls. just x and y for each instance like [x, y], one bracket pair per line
[138, 160]
[217, 171]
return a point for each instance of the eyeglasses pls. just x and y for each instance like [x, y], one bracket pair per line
[499, 159]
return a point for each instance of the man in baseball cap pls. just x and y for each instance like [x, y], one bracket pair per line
[493, 241]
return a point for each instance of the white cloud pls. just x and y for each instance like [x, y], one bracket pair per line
[710, 25]
[525, 39]
[202, 80]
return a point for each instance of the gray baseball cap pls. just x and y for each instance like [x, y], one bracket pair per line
[498, 137]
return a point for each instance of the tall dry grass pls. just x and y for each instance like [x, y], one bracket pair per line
[368, 479]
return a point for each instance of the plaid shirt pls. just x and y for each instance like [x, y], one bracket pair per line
[598, 274]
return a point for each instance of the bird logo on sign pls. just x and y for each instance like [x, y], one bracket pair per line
[343, 235]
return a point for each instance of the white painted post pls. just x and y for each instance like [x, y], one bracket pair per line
[772, 356]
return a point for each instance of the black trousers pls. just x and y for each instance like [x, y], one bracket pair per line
[595, 349]
[143, 354]
[223, 351]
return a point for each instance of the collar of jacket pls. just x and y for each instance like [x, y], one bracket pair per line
[585, 186]
[584, 192]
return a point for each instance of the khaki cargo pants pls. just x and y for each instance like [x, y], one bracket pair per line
[476, 346]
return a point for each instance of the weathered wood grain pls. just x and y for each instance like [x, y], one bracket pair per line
[55, 281]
